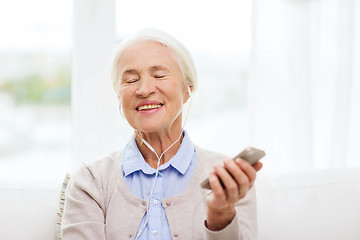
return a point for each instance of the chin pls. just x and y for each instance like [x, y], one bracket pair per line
[148, 127]
[154, 125]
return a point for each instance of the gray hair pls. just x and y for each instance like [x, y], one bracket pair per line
[181, 55]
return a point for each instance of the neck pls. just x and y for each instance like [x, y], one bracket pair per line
[160, 143]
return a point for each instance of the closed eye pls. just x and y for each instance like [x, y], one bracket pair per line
[132, 80]
[159, 76]
[130, 76]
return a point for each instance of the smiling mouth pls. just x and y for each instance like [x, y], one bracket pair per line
[149, 107]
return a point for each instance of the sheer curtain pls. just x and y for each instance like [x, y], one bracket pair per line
[305, 84]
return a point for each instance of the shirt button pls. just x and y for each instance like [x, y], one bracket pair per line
[156, 202]
[155, 232]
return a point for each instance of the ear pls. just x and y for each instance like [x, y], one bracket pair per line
[188, 93]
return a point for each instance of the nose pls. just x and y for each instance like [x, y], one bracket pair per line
[146, 87]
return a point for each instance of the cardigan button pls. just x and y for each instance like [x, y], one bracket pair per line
[176, 235]
[168, 203]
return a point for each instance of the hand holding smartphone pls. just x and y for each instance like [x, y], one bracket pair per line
[249, 154]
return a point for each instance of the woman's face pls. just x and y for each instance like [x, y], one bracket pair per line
[152, 90]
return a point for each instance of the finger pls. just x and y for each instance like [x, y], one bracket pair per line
[258, 165]
[248, 170]
[231, 186]
[242, 180]
[216, 187]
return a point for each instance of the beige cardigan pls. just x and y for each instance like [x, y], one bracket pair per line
[99, 205]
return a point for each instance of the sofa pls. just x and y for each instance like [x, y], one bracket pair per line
[318, 205]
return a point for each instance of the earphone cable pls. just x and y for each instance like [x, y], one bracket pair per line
[157, 168]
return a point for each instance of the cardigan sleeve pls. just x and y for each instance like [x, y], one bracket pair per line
[83, 217]
[244, 224]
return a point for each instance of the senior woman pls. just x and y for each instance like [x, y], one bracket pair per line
[151, 189]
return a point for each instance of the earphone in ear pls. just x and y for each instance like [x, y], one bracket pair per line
[189, 91]
[120, 110]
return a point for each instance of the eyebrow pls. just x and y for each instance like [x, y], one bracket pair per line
[129, 71]
[158, 67]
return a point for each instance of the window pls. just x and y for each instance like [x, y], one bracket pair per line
[35, 60]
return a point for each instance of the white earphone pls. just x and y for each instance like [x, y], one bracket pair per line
[120, 110]
[142, 228]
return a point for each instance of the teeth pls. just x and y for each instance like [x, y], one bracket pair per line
[149, 107]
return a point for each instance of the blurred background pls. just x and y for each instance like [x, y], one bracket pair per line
[281, 75]
[35, 88]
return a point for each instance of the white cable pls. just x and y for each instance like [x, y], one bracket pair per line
[157, 168]
[153, 186]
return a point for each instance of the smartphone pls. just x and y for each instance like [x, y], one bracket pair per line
[250, 154]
